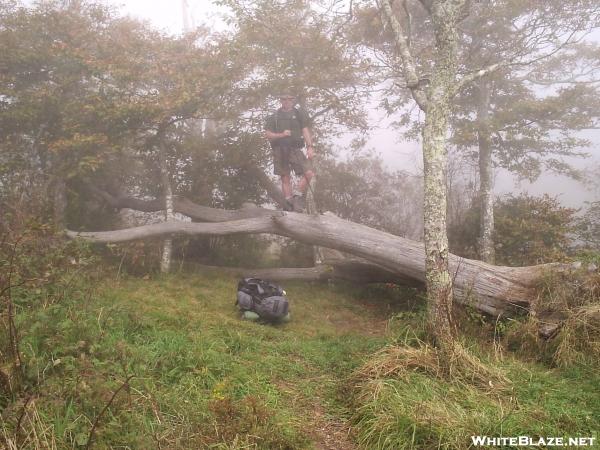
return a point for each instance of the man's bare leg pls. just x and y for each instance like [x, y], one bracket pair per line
[297, 201]
[286, 188]
[303, 185]
[286, 185]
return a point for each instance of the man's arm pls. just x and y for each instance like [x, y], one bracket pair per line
[271, 135]
[270, 127]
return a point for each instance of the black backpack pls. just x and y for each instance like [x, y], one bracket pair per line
[265, 299]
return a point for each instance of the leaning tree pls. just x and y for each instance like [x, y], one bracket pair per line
[360, 253]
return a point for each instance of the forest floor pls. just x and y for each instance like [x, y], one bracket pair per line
[200, 377]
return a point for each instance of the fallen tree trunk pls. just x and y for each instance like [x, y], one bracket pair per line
[492, 289]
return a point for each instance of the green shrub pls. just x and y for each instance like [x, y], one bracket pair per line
[528, 230]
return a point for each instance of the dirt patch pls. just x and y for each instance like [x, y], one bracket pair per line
[330, 433]
[326, 432]
[349, 322]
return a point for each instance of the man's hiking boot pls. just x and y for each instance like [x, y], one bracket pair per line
[295, 204]
[289, 204]
[298, 203]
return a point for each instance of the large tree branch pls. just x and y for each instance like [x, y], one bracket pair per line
[469, 78]
[408, 63]
[573, 81]
[242, 226]
[117, 199]
[317, 273]
[337, 270]
[408, 23]
[340, 265]
[180, 205]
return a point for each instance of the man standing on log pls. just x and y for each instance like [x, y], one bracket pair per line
[288, 130]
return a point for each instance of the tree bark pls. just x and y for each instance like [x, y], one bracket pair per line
[486, 175]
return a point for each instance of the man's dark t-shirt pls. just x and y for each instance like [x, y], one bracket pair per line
[293, 120]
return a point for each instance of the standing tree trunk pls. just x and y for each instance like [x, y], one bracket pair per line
[59, 194]
[311, 208]
[445, 16]
[167, 250]
[435, 102]
[486, 175]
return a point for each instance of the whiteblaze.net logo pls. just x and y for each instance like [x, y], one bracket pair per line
[528, 441]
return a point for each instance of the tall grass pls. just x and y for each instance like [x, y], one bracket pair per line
[571, 298]
[403, 401]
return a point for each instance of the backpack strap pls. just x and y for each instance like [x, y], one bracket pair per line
[295, 115]
[257, 287]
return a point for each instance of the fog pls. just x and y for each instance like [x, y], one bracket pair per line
[406, 155]
[396, 152]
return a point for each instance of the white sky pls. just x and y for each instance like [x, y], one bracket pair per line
[167, 15]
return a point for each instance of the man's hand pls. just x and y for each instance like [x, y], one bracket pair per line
[286, 133]
[310, 152]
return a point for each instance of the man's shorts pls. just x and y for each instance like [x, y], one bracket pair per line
[286, 159]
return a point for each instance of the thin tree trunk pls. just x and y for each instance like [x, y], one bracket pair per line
[486, 175]
[311, 208]
[167, 250]
[59, 203]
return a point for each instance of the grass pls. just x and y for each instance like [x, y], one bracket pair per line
[417, 411]
[203, 378]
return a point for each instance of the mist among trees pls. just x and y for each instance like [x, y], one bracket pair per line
[152, 145]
